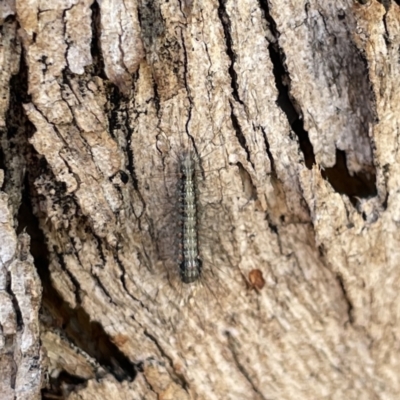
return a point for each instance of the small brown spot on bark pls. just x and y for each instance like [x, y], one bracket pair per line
[256, 279]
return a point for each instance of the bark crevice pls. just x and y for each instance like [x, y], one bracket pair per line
[73, 323]
[14, 139]
[240, 136]
[350, 308]
[355, 186]
[226, 25]
[282, 82]
[98, 66]
[17, 310]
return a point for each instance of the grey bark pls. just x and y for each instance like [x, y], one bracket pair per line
[293, 109]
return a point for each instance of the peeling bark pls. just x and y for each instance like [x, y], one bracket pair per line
[293, 110]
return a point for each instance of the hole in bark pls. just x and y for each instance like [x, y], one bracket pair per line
[341, 15]
[360, 184]
[357, 185]
[9, 19]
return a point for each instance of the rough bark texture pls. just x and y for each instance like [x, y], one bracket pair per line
[293, 108]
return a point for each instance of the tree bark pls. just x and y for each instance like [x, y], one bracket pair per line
[293, 111]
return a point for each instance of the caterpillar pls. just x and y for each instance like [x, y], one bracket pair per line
[178, 192]
[191, 195]
[191, 263]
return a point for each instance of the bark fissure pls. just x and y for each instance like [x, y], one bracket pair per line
[101, 286]
[17, 310]
[71, 276]
[100, 249]
[14, 138]
[226, 25]
[386, 36]
[350, 308]
[129, 151]
[361, 184]
[282, 82]
[97, 66]
[240, 136]
[269, 154]
[90, 337]
[66, 39]
[121, 49]
[76, 324]
[287, 106]
[123, 280]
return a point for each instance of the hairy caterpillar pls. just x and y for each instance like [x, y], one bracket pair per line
[182, 230]
[189, 190]
[190, 265]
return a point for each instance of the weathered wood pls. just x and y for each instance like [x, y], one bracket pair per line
[293, 109]
[21, 359]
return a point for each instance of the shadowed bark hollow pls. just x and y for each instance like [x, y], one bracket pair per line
[292, 109]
